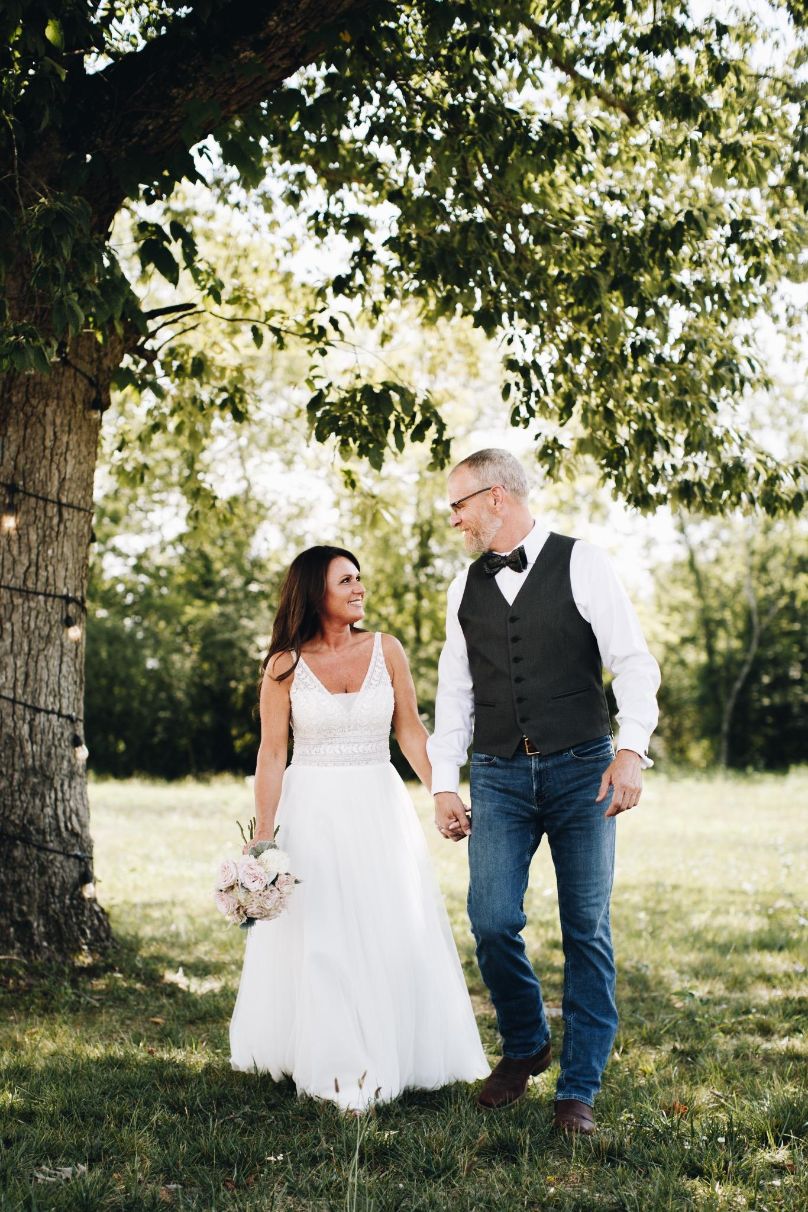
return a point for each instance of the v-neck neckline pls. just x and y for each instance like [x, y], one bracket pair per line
[338, 694]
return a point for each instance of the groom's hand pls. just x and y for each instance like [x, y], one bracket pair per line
[625, 775]
[452, 818]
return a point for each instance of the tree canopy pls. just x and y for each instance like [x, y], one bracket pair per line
[614, 193]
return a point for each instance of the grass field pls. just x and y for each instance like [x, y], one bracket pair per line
[117, 1092]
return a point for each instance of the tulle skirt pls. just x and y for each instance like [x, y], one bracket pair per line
[356, 991]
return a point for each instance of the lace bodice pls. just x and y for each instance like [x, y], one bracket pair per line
[342, 729]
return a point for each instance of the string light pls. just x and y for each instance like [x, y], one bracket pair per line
[86, 885]
[71, 622]
[8, 519]
[80, 750]
[73, 628]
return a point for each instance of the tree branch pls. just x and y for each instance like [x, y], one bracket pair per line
[550, 43]
[156, 103]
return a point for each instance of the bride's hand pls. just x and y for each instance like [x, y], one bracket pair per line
[452, 817]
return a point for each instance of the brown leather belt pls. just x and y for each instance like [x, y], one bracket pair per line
[529, 748]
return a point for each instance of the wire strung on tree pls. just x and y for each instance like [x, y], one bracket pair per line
[80, 750]
[25, 841]
[8, 523]
[70, 621]
[16, 490]
[44, 593]
[74, 719]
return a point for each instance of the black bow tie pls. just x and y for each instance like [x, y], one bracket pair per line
[517, 560]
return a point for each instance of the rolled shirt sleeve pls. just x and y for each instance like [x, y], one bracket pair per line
[604, 603]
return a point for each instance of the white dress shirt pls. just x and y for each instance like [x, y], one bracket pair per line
[603, 602]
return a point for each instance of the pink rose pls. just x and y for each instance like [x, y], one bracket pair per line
[271, 898]
[228, 874]
[285, 883]
[225, 901]
[264, 905]
[274, 903]
[251, 874]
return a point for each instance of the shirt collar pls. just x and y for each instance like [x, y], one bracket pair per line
[533, 542]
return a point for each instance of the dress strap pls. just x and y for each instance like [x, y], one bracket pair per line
[377, 673]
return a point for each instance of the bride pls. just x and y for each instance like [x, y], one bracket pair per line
[356, 990]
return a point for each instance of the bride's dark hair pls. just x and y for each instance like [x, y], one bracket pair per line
[300, 602]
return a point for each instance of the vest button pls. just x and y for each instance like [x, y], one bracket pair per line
[514, 618]
[515, 639]
[516, 660]
[519, 679]
[520, 699]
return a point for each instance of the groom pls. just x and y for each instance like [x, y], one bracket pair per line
[529, 627]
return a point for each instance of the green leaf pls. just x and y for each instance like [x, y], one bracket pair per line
[154, 252]
[55, 34]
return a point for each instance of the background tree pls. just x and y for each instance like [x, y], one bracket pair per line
[612, 192]
[730, 635]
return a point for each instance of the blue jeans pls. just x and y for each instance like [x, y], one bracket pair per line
[514, 802]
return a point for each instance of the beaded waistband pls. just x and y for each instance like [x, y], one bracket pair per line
[371, 752]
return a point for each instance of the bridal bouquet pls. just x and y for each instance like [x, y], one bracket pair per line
[255, 887]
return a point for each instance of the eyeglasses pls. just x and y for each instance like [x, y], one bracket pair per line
[455, 506]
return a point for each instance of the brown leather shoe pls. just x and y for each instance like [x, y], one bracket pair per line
[571, 1115]
[508, 1080]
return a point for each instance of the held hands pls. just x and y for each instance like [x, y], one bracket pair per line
[452, 817]
[625, 775]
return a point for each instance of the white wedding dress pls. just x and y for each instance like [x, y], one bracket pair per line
[356, 990]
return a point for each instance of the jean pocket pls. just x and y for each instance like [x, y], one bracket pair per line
[596, 750]
[483, 759]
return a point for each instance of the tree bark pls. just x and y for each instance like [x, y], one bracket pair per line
[143, 108]
[48, 442]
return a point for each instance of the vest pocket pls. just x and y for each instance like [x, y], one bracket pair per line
[569, 693]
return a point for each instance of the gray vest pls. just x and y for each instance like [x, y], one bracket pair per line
[535, 665]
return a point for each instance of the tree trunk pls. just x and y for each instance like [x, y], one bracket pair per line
[49, 429]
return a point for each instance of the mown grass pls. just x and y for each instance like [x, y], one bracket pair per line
[122, 1067]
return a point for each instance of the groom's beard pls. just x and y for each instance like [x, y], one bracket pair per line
[480, 538]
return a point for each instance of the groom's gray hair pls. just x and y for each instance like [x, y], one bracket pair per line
[495, 466]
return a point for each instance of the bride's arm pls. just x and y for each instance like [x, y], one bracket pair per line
[274, 745]
[407, 724]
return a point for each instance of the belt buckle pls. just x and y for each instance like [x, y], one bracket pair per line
[527, 746]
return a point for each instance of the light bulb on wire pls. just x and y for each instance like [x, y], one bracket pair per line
[8, 518]
[73, 627]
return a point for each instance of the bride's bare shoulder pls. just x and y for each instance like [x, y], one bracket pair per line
[393, 649]
[279, 664]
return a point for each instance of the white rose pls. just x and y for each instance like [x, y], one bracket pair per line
[274, 862]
